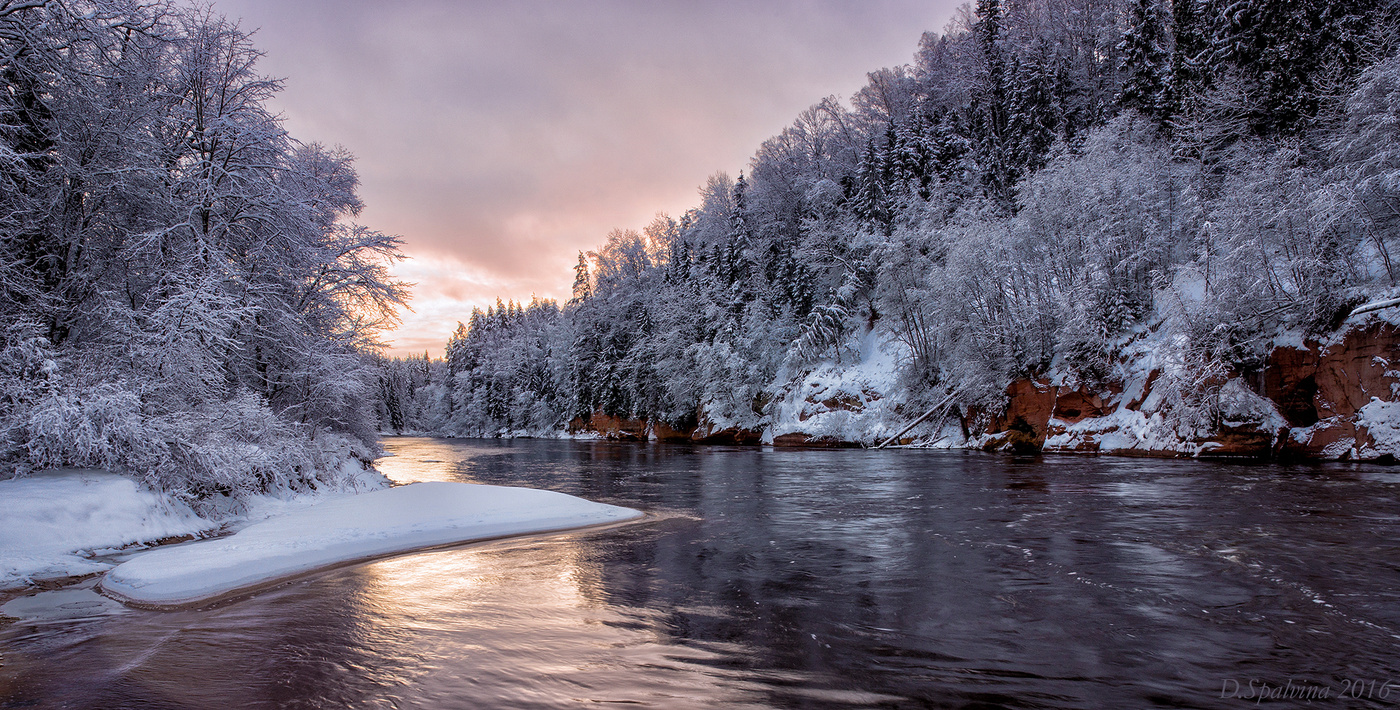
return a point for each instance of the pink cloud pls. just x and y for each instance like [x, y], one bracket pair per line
[499, 139]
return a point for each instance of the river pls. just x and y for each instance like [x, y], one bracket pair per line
[801, 579]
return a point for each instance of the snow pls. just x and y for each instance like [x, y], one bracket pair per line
[1120, 430]
[55, 522]
[1375, 306]
[1382, 421]
[1241, 405]
[852, 401]
[1290, 339]
[349, 529]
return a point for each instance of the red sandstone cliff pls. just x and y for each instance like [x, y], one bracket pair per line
[1331, 399]
[1317, 399]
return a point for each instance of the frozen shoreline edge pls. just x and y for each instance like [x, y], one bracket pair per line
[346, 531]
[273, 583]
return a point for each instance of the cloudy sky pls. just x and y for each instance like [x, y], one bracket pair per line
[500, 138]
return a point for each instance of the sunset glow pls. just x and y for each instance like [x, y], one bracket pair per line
[499, 139]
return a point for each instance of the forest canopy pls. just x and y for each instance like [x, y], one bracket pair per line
[1047, 182]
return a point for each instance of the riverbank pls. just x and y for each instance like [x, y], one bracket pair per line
[1323, 398]
[62, 527]
[66, 524]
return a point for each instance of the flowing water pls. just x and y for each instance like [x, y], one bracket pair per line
[782, 578]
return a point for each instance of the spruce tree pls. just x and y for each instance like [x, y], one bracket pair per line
[740, 236]
[1032, 115]
[1146, 61]
[1290, 53]
[1193, 26]
[870, 201]
[583, 287]
[989, 103]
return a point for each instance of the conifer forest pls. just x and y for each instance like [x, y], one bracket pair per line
[1083, 193]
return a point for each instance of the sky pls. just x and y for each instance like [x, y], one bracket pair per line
[499, 139]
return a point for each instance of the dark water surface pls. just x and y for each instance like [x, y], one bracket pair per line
[802, 579]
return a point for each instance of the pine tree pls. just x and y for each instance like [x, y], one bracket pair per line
[870, 202]
[583, 287]
[989, 103]
[1290, 52]
[1146, 61]
[908, 161]
[1193, 26]
[736, 252]
[1033, 116]
[946, 145]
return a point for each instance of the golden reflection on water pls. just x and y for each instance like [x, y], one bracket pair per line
[413, 459]
[530, 620]
[523, 622]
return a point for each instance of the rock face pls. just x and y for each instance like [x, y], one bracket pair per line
[626, 429]
[1333, 399]
[664, 432]
[707, 432]
[618, 428]
[1341, 398]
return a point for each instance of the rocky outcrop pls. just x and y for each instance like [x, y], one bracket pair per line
[661, 431]
[1313, 399]
[1029, 403]
[708, 432]
[841, 405]
[616, 428]
[801, 440]
[1340, 397]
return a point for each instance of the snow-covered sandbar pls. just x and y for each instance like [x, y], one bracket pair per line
[344, 530]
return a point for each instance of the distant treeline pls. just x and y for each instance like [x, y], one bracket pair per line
[182, 295]
[1048, 179]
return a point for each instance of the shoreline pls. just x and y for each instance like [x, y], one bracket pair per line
[853, 446]
[400, 519]
[253, 589]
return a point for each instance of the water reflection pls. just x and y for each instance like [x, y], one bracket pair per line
[795, 579]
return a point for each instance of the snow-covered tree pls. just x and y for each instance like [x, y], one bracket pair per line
[207, 306]
[1147, 60]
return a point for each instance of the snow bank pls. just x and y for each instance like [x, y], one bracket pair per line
[856, 401]
[55, 521]
[412, 517]
[1381, 419]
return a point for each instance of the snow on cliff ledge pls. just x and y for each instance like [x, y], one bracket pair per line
[354, 528]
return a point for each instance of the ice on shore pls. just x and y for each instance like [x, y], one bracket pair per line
[53, 523]
[342, 530]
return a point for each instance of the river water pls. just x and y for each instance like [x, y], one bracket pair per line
[800, 579]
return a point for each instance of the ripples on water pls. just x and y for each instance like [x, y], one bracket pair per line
[793, 579]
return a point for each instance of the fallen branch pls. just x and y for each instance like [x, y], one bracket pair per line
[946, 401]
[1376, 306]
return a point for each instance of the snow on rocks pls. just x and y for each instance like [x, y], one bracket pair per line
[349, 529]
[848, 403]
[54, 522]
